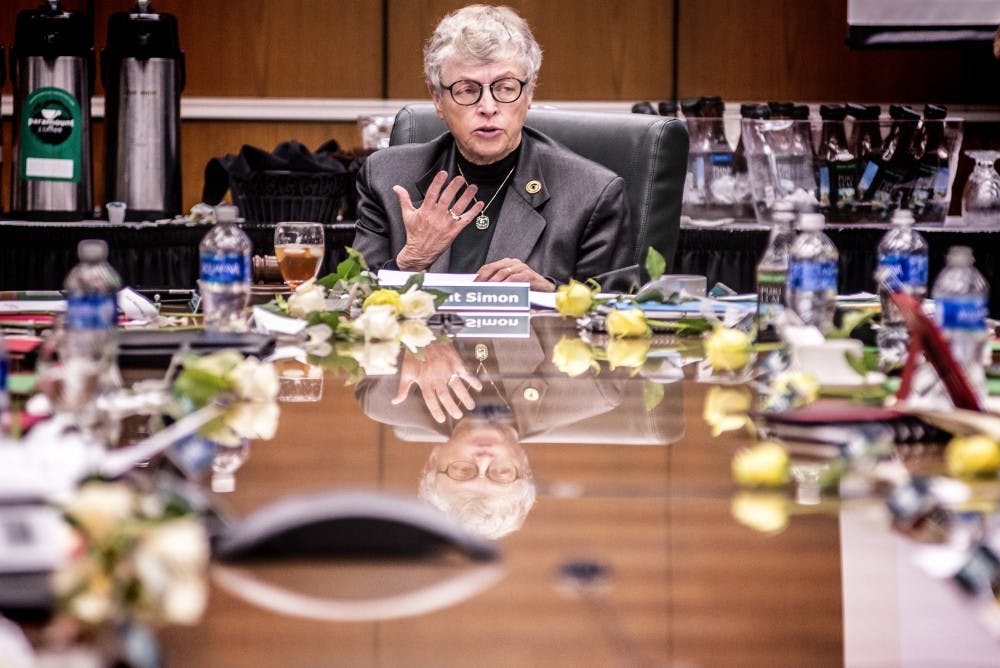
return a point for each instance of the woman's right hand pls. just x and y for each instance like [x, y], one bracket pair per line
[431, 228]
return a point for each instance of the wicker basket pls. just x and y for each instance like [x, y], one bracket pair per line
[275, 196]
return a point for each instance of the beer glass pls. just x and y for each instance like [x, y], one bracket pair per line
[299, 248]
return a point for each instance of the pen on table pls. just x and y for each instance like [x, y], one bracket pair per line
[31, 294]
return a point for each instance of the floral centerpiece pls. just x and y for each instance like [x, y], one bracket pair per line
[357, 325]
[137, 556]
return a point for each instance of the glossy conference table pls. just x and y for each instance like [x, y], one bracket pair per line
[631, 555]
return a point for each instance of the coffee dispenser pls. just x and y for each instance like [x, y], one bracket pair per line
[142, 70]
[52, 72]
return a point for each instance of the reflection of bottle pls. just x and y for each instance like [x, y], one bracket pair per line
[721, 186]
[225, 273]
[883, 182]
[793, 155]
[812, 274]
[836, 168]
[930, 188]
[961, 297]
[772, 273]
[902, 265]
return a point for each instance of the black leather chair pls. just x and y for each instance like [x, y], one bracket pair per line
[649, 152]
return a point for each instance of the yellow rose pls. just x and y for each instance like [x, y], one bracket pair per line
[763, 511]
[761, 465]
[972, 456]
[726, 408]
[727, 349]
[573, 300]
[629, 353]
[572, 356]
[384, 297]
[627, 323]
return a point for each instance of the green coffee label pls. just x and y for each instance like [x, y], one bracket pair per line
[51, 132]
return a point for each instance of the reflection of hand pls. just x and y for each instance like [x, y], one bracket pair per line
[440, 373]
[431, 228]
[509, 269]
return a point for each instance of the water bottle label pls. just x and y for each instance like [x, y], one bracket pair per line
[867, 177]
[845, 172]
[91, 312]
[941, 183]
[968, 313]
[812, 276]
[824, 186]
[794, 172]
[225, 268]
[903, 270]
[4, 363]
[51, 136]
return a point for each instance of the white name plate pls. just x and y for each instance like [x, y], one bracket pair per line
[495, 325]
[485, 297]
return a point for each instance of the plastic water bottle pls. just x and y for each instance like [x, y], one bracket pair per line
[89, 351]
[961, 296]
[4, 389]
[772, 273]
[902, 265]
[812, 274]
[225, 273]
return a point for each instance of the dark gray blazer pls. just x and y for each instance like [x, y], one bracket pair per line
[576, 226]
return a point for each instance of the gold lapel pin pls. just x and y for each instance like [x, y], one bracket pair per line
[532, 186]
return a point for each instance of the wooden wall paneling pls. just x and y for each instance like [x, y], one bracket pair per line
[787, 49]
[592, 49]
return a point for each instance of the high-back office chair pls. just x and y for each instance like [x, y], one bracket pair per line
[649, 152]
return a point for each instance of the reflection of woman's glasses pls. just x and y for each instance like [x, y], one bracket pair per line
[464, 470]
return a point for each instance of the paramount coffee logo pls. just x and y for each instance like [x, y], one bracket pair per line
[51, 122]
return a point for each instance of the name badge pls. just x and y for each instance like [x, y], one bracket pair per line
[486, 297]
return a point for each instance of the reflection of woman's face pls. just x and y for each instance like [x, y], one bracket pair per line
[491, 446]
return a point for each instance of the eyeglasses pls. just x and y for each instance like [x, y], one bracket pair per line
[464, 470]
[467, 93]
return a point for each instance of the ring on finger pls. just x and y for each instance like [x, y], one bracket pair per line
[454, 216]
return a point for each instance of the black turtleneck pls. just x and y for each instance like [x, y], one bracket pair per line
[468, 250]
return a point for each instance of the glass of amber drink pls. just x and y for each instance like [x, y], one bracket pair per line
[299, 248]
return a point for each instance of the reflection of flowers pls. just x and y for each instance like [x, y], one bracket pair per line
[253, 385]
[629, 353]
[573, 357]
[415, 334]
[763, 511]
[574, 300]
[726, 408]
[377, 358]
[791, 389]
[377, 322]
[139, 556]
[627, 323]
[762, 465]
[727, 349]
[973, 456]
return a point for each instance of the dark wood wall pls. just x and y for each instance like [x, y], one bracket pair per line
[593, 50]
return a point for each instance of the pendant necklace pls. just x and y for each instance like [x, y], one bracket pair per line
[482, 220]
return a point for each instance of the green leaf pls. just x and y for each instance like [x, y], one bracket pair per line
[416, 280]
[200, 386]
[856, 362]
[325, 318]
[655, 264]
[648, 296]
[439, 296]
[852, 320]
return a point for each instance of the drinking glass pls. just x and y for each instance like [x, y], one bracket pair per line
[299, 248]
[981, 198]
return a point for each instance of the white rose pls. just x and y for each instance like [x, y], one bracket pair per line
[100, 508]
[306, 299]
[255, 380]
[256, 420]
[184, 602]
[417, 304]
[377, 323]
[180, 544]
[377, 359]
[415, 334]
